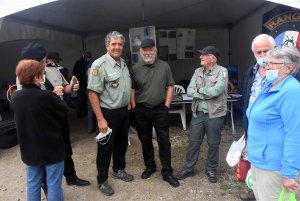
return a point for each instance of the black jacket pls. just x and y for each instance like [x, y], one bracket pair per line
[79, 71]
[37, 114]
[248, 82]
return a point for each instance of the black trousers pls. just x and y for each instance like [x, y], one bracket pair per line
[158, 117]
[81, 107]
[118, 121]
[69, 171]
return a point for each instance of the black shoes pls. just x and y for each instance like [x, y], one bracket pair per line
[78, 182]
[147, 173]
[212, 177]
[184, 174]
[172, 180]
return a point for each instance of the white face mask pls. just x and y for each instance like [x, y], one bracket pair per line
[262, 61]
[44, 80]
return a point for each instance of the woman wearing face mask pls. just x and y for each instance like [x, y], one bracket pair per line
[274, 127]
[37, 114]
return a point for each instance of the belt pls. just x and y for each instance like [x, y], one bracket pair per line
[152, 107]
[121, 108]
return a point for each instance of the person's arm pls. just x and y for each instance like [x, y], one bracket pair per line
[132, 98]
[95, 102]
[288, 109]
[221, 85]
[170, 92]
[68, 87]
[191, 89]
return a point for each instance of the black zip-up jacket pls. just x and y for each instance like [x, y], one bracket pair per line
[37, 114]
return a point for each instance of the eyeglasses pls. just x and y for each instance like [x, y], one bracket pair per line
[272, 64]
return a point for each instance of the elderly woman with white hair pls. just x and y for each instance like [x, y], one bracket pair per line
[274, 127]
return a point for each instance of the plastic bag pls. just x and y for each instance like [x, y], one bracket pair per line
[235, 151]
[249, 179]
[291, 195]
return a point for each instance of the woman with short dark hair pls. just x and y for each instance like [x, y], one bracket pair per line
[37, 114]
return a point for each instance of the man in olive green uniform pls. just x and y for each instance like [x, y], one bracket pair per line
[208, 87]
[150, 103]
[109, 94]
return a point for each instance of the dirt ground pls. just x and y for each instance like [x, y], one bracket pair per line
[13, 181]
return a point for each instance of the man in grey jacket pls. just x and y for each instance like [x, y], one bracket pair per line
[208, 87]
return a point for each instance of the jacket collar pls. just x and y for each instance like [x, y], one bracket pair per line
[30, 86]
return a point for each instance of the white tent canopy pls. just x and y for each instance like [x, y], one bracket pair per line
[70, 26]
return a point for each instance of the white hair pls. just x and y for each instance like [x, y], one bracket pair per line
[288, 55]
[263, 36]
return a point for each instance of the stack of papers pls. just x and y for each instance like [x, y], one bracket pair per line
[185, 97]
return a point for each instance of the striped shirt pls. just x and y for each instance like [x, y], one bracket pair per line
[257, 85]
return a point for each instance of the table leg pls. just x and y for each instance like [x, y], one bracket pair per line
[184, 115]
[231, 115]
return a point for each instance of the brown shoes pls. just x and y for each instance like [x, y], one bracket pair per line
[249, 196]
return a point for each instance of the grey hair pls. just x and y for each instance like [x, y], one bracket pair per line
[263, 36]
[114, 34]
[288, 55]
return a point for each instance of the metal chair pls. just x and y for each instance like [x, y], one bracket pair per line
[181, 110]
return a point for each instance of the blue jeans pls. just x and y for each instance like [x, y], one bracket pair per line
[34, 177]
[91, 116]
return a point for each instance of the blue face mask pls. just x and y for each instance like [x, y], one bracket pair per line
[272, 75]
[262, 61]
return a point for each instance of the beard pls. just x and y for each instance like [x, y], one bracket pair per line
[148, 59]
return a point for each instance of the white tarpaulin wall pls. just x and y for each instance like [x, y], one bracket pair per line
[12, 31]
[15, 36]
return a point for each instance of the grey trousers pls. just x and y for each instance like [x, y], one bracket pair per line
[200, 126]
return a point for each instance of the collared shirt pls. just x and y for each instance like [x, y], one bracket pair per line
[150, 82]
[111, 81]
[205, 92]
[257, 85]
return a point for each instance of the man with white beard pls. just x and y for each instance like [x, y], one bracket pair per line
[151, 97]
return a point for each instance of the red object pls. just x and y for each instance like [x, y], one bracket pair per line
[12, 88]
[242, 170]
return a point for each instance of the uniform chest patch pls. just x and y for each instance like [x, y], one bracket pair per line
[115, 84]
[95, 72]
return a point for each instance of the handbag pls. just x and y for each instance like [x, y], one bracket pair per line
[235, 151]
[291, 195]
[242, 170]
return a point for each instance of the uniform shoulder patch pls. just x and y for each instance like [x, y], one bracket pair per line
[224, 74]
[95, 72]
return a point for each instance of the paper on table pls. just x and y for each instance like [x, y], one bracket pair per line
[235, 95]
[185, 97]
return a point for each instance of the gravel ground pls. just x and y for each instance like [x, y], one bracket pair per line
[13, 181]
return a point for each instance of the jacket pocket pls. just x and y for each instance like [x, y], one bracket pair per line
[217, 106]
